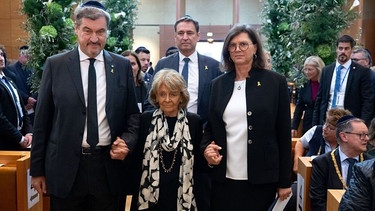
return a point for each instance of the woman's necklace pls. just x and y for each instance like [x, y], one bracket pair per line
[240, 86]
[337, 167]
[166, 170]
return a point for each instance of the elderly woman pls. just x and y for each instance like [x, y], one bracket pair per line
[171, 138]
[306, 98]
[247, 140]
[140, 85]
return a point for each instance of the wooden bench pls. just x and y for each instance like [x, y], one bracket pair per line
[333, 198]
[15, 183]
[303, 183]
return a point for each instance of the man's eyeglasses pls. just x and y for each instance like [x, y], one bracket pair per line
[356, 60]
[328, 126]
[243, 46]
[361, 135]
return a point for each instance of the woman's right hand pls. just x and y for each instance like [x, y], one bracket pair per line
[212, 154]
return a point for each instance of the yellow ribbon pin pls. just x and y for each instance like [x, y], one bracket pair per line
[258, 84]
[205, 67]
[112, 69]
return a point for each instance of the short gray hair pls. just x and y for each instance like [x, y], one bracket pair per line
[92, 13]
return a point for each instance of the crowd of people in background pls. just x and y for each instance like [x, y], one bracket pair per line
[192, 133]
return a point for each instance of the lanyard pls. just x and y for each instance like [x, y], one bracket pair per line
[346, 73]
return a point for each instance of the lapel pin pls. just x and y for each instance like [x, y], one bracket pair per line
[112, 68]
[205, 67]
[258, 84]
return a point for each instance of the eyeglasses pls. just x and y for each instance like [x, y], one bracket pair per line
[361, 135]
[328, 126]
[356, 60]
[243, 46]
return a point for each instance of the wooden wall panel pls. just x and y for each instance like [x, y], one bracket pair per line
[10, 25]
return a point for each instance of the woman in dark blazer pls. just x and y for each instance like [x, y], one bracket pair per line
[247, 140]
[306, 98]
[140, 84]
[169, 139]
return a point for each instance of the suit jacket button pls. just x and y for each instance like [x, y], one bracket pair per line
[249, 113]
[250, 127]
[249, 141]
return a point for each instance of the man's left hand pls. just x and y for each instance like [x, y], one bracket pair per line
[119, 149]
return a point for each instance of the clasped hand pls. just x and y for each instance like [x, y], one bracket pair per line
[119, 149]
[212, 154]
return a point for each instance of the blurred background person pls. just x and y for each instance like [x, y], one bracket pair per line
[319, 139]
[171, 50]
[247, 140]
[268, 60]
[307, 94]
[362, 56]
[140, 84]
[144, 56]
[344, 84]
[21, 74]
[171, 138]
[15, 125]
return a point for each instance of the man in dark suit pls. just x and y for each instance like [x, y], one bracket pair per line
[201, 69]
[15, 126]
[353, 86]
[21, 75]
[86, 120]
[333, 170]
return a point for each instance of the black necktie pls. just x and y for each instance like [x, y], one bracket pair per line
[185, 72]
[92, 114]
[351, 162]
[16, 102]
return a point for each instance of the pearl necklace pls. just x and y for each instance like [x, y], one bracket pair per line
[338, 170]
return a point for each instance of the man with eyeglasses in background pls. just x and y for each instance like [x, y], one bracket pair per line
[362, 56]
[333, 170]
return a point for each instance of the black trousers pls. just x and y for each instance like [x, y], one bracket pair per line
[235, 195]
[90, 191]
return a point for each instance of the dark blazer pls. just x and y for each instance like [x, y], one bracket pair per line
[360, 194]
[134, 162]
[268, 119]
[21, 79]
[359, 93]
[61, 115]
[304, 104]
[324, 177]
[208, 70]
[10, 136]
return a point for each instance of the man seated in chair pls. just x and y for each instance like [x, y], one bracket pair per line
[319, 139]
[333, 170]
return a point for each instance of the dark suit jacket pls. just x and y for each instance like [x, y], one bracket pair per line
[208, 70]
[359, 93]
[10, 136]
[304, 104]
[268, 119]
[21, 79]
[61, 115]
[324, 177]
